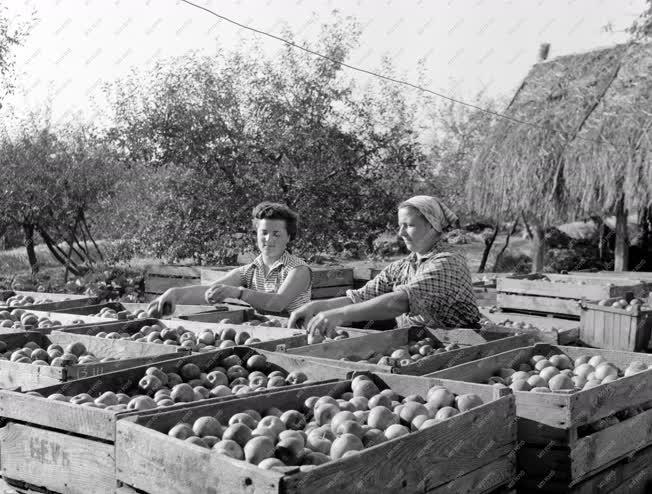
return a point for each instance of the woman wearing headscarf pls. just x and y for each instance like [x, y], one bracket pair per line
[430, 287]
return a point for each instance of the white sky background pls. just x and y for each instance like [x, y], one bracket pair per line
[468, 45]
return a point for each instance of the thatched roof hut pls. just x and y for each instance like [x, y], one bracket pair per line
[587, 148]
[600, 107]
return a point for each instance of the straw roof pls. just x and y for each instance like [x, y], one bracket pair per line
[601, 102]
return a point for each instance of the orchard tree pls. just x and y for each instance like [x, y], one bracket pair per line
[52, 180]
[229, 131]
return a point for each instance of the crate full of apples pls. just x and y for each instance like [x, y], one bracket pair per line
[78, 418]
[586, 402]
[617, 323]
[374, 432]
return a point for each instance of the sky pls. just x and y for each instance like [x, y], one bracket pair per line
[466, 46]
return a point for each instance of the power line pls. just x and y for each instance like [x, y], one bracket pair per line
[397, 81]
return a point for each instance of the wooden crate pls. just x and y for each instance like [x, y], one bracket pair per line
[59, 300]
[327, 281]
[92, 309]
[59, 320]
[631, 475]
[643, 276]
[551, 424]
[550, 329]
[69, 448]
[473, 346]
[559, 294]
[475, 443]
[284, 335]
[29, 376]
[615, 328]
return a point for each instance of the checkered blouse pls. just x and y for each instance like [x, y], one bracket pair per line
[252, 276]
[438, 286]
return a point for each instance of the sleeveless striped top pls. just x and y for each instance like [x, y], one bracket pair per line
[252, 276]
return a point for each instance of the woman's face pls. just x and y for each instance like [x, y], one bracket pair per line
[419, 235]
[272, 237]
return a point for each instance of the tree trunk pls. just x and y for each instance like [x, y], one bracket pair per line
[602, 239]
[530, 235]
[538, 248]
[502, 251]
[621, 255]
[488, 243]
[28, 230]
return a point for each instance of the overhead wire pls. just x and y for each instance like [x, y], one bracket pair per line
[394, 80]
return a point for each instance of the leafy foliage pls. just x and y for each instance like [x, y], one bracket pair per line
[226, 132]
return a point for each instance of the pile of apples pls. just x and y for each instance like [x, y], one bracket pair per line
[623, 304]
[559, 373]
[508, 323]
[108, 313]
[21, 319]
[407, 354]
[21, 300]
[205, 341]
[325, 428]
[54, 355]
[229, 376]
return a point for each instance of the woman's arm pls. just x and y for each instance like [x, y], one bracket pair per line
[385, 306]
[300, 317]
[298, 279]
[192, 295]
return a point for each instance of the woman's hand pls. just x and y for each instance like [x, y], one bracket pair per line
[164, 305]
[217, 293]
[325, 323]
[302, 316]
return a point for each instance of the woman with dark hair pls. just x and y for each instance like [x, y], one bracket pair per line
[275, 282]
[430, 287]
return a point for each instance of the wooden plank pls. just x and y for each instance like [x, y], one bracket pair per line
[593, 452]
[541, 322]
[56, 461]
[234, 315]
[562, 286]
[170, 270]
[485, 479]
[392, 466]
[330, 292]
[629, 475]
[322, 276]
[325, 276]
[539, 304]
[147, 463]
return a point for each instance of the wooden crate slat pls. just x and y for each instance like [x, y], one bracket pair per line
[169, 270]
[592, 452]
[484, 480]
[325, 276]
[322, 276]
[329, 292]
[538, 304]
[563, 286]
[62, 462]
